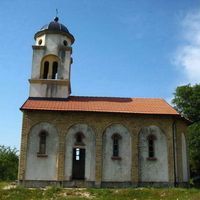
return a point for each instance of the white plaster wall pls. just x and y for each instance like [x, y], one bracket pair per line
[37, 90]
[38, 54]
[53, 43]
[153, 170]
[184, 158]
[89, 146]
[117, 170]
[42, 37]
[42, 168]
[43, 90]
[53, 46]
[58, 40]
[66, 63]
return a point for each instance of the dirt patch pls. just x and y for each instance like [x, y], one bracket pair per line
[77, 192]
[10, 186]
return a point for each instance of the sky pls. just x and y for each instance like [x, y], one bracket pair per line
[129, 48]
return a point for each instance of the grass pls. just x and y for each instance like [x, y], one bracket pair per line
[3, 184]
[54, 193]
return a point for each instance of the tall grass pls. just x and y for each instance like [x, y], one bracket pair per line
[54, 193]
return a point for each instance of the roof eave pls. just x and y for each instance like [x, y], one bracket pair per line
[99, 111]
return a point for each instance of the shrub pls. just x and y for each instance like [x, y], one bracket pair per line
[8, 163]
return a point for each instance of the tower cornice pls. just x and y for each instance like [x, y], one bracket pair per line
[49, 81]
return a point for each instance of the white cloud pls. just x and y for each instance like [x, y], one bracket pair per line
[188, 55]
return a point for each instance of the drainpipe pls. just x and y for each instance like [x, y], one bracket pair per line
[174, 152]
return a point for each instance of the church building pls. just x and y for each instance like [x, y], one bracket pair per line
[77, 141]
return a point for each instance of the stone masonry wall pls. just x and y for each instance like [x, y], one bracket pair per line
[99, 122]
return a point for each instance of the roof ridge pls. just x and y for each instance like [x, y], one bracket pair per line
[98, 97]
[117, 97]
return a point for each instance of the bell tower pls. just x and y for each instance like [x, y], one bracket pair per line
[51, 63]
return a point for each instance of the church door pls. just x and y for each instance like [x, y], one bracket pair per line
[78, 169]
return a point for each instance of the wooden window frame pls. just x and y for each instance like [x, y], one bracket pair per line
[115, 154]
[151, 147]
[42, 144]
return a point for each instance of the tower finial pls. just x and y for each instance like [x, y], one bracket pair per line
[56, 18]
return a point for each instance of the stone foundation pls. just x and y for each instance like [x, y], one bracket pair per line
[92, 184]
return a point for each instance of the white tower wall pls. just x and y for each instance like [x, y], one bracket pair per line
[51, 46]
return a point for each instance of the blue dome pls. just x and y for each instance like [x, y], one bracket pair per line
[55, 27]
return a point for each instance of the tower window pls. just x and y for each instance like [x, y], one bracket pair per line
[116, 137]
[55, 70]
[46, 70]
[49, 67]
[151, 147]
[42, 143]
[65, 43]
[40, 42]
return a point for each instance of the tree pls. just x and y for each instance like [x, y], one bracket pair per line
[8, 163]
[194, 150]
[187, 102]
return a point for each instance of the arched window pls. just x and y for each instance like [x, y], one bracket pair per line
[79, 138]
[42, 142]
[116, 137]
[151, 146]
[46, 70]
[49, 67]
[55, 70]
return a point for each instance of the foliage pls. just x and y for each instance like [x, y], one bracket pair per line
[187, 102]
[194, 151]
[20, 193]
[8, 163]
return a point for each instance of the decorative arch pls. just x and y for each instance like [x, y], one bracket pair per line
[49, 67]
[87, 142]
[117, 153]
[153, 155]
[42, 152]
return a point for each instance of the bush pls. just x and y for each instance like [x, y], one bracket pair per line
[8, 163]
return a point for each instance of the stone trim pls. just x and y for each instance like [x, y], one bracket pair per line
[61, 156]
[36, 47]
[24, 145]
[49, 81]
[99, 156]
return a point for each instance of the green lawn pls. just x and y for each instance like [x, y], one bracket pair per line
[20, 193]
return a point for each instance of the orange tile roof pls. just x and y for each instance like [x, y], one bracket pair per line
[102, 104]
